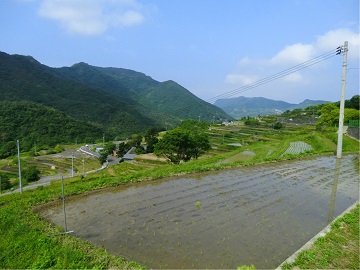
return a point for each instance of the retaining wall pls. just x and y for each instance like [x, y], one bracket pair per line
[354, 132]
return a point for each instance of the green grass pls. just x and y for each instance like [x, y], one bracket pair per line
[339, 249]
[25, 240]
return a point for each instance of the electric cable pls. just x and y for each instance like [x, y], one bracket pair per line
[270, 78]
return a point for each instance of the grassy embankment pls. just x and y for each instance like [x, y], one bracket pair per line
[26, 238]
[338, 249]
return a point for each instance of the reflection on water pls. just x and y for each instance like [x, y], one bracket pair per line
[252, 215]
[334, 189]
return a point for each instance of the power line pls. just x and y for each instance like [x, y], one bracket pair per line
[271, 78]
[276, 76]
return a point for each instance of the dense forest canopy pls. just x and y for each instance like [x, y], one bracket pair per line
[35, 124]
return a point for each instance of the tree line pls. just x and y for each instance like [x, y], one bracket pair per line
[181, 144]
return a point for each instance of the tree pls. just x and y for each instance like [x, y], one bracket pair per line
[5, 182]
[136, 140]
[330, 115]
[182, 145]
[123, 148]
[278, 125]
[109, 147]
[151, 138]
[251, 122]
[353, 103]
[103, 157]
[31, 174]
[351, 114]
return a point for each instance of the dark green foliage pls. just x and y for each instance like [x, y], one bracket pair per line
[123, 148]
[278, 125]
[23, 78]
[103, 157]
[251, 122]
[352, 103]
[35, 124]
[5, 182]
[136, 140]
[151, 139]
[30, 174]
[120, 101]
[182, 145]
[109, 147]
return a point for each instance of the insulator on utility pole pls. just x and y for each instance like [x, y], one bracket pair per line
[342, 103]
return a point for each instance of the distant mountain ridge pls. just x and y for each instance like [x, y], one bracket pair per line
[243, 106]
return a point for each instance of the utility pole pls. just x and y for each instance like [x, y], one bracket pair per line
[72, 164]
[342, 103]
[18, 149]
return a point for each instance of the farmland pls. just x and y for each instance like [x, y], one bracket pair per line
[216, 220]
[26, 233]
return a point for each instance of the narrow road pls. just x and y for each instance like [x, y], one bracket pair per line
[46, 180]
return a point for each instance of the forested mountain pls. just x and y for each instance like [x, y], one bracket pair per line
[119, 101]
[242, 106]
[167, 100]
[36, 124]
[23, 78]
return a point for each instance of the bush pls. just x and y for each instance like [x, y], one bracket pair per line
[278, 125]
[5, 182]
[251, 122]
[31, 174]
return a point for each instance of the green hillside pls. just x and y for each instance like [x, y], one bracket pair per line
[118, 101]
[38, 125]
[23, 78]
[167, 101]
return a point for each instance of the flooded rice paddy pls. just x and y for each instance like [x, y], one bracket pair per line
[223, 219]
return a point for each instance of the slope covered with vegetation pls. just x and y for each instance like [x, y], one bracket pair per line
[23, 78]
[40, 126]
[119, 101]
[167, 101]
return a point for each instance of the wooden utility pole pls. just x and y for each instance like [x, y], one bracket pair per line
[342, 103]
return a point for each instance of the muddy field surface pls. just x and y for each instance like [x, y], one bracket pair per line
[251, 215]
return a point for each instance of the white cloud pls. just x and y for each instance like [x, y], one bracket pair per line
[240, 79]
[335, 38]
[93, 17]
[295, 54]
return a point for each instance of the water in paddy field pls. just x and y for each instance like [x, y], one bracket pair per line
[250, 215]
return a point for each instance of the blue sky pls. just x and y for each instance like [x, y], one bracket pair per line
[208, 46]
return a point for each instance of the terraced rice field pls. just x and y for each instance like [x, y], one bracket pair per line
[252, 215]
[296, 148]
